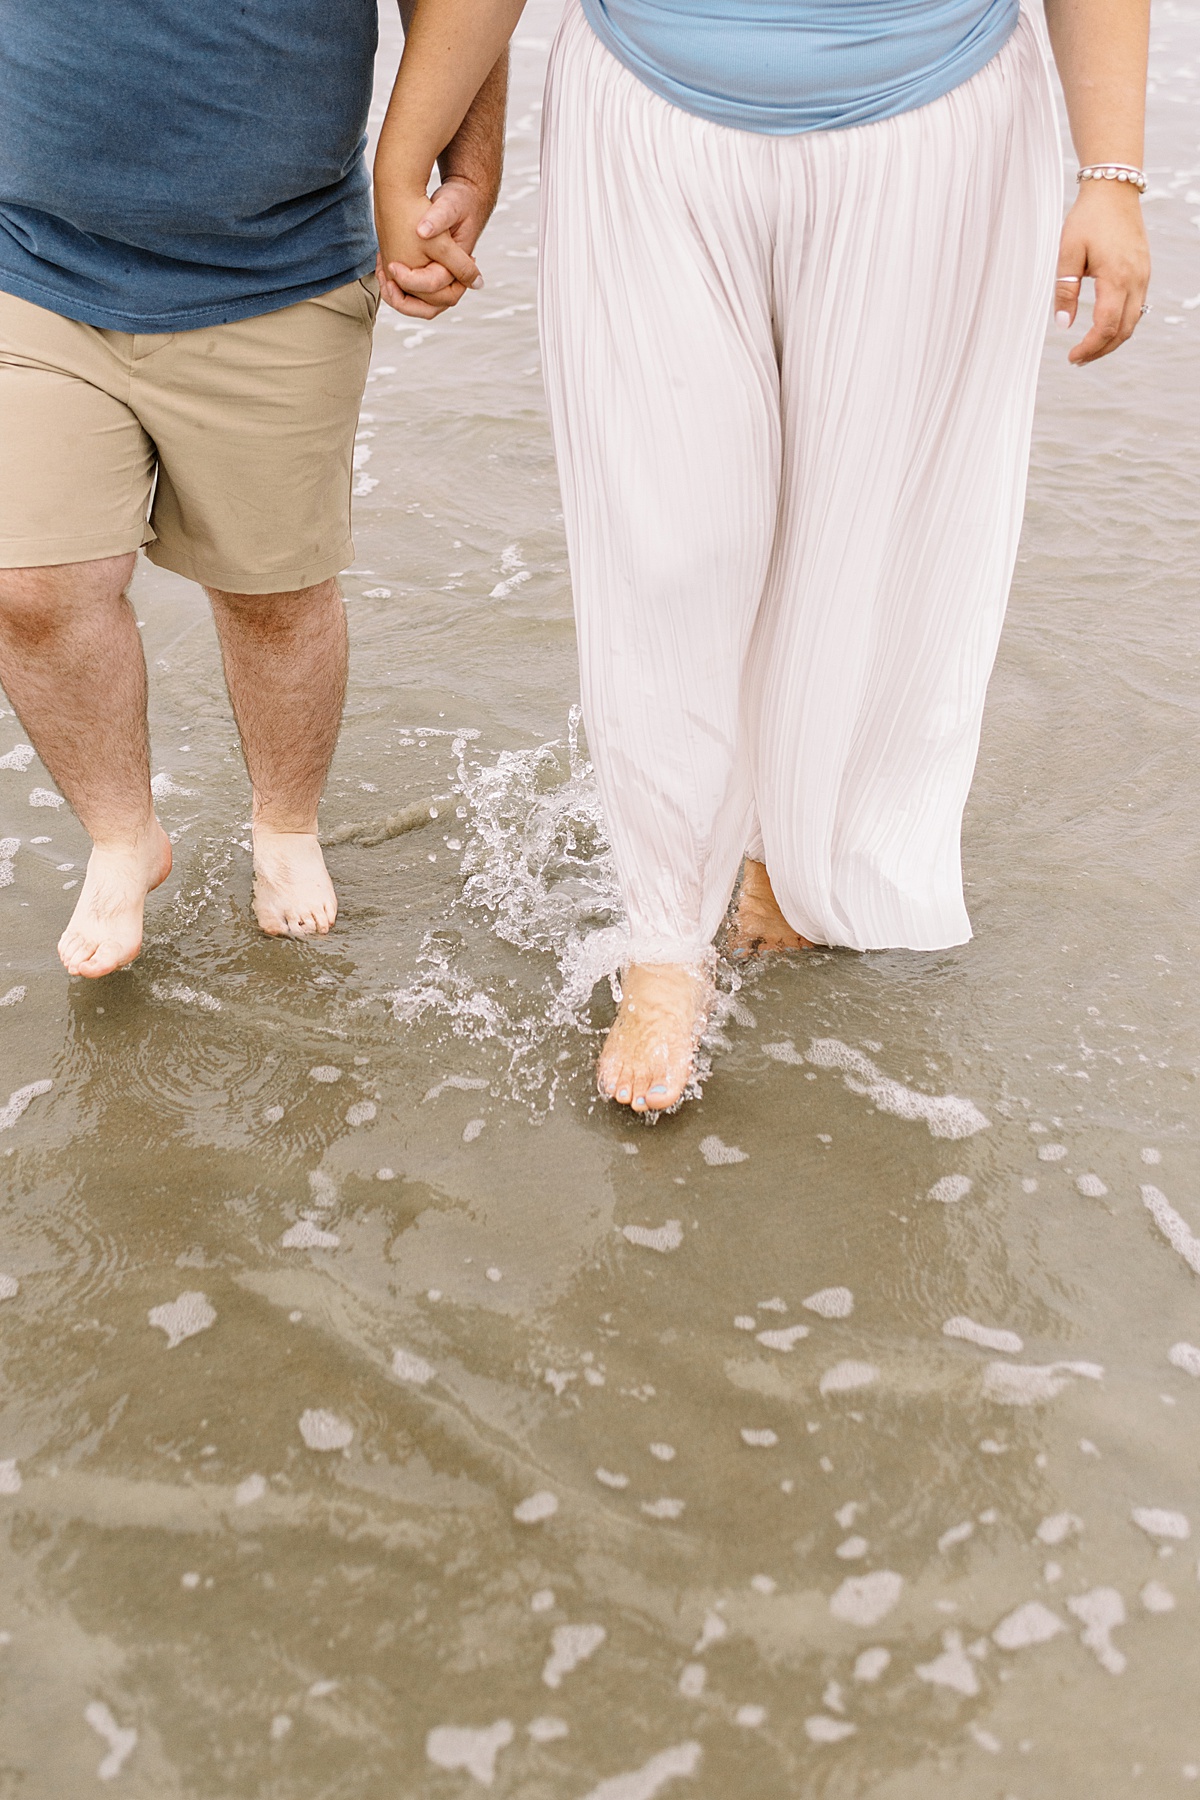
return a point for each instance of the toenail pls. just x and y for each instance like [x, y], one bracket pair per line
[623, 1095]
[639, 1100]
[660, 1087]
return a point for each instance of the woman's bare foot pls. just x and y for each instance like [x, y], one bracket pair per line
[647, 1059]
[293, 895]
[757, 922]
[105, 932]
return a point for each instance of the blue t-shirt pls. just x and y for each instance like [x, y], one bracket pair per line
[785, 66]
[166, 164]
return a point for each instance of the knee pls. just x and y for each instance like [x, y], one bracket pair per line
[275, 615]
[36, 604]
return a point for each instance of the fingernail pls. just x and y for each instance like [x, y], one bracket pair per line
[478, 282]
[1062, 320]
[424, 230]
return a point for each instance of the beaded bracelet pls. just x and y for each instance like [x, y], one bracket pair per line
[1114, 172]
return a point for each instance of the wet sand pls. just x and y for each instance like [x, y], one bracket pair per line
[384, 1416]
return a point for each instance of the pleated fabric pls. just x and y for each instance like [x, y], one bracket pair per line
[791, 384]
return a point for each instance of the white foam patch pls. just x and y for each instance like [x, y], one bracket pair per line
[187, 996]
[325, 1073]
[946, 1115]
[869, 1665]
[648, 1782]
[361, 1113]
[408, 1366]
[662, 1237]
[785, 1339]
[950, 1188]
[163, 787]
[851, 1548]
[750, 1717]
[1051, 1152]
[1058, 1527]
[865, 1599]
[1150, 1155]
[8, 849]
[304, 1235]
[1175, 1229]
[19, 1101]
[248, 1491]
[1156, 1598]
[844, 1377]
[988, 1337]
[665, 1508]
[9, 1287]
[323, 1430]
[1100, 1611]
[778, 1304]
[570, 1645]
[716, 1154]
[786, 1052]
[952, 1669]
[10, 1476]
[121, 1740]
[547, 1730]
[539, 1506]
[764, 1439]
[45, 797]
[454, 1747]
[462, 1083]
[611, 1479]
[664, 1452]
[1186, 1357]
[183, 1318]
[711, 1632]
[18, 758]
[830, 1303]
[1159, 1522]
[821, 1729]
[956, 1534]
[1032, 1623]
[1028, 1384]
[472, 1129]
[1091, 1187]
[692, 1679]
[15, 995]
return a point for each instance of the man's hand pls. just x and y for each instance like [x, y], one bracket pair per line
[436, 280]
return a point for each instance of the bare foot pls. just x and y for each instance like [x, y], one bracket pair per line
[647, 1059]
[757, 922]
[105, 931]
[293, 895]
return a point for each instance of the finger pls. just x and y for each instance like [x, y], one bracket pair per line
[425, 281]
[446, 210]
[452, 256]
[400, 302]
[1108, 316]
[1066, 291]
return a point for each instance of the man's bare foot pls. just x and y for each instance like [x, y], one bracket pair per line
[757, 922]
[647, 1059]
[293, 895]
[105, 932]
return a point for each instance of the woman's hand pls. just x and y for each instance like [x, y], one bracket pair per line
[424, 266]
[1103, 237]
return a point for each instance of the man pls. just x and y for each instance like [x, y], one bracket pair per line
[186, 307]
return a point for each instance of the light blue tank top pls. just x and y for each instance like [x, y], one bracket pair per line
[784, 66]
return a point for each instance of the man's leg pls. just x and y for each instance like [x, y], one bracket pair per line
[285, 666]
[71, 663]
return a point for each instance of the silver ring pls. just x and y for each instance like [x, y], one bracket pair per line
[1068, 280]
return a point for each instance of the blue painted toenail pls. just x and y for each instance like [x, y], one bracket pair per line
[660, 1087]
[623, 1095]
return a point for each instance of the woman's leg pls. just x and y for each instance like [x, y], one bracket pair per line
[914, 271]
[663, 385]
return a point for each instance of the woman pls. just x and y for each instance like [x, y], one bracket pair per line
[794, 268]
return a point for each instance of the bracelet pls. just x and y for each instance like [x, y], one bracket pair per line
[1115, 172]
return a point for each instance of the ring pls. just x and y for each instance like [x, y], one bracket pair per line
[1068, 280]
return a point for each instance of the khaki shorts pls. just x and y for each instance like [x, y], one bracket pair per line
[227, 452]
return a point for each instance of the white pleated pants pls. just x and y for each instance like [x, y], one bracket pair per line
[791, 384]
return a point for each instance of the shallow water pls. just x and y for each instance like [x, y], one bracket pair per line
[856, 1388]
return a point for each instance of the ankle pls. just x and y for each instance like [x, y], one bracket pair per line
[284, 828]
[127, 839]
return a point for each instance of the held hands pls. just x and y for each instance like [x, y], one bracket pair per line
[1103, 238]
[425, 264]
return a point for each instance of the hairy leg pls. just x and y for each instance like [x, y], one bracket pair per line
[758, 922]
[647, 1058]
[71, 663]
[285, 666]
